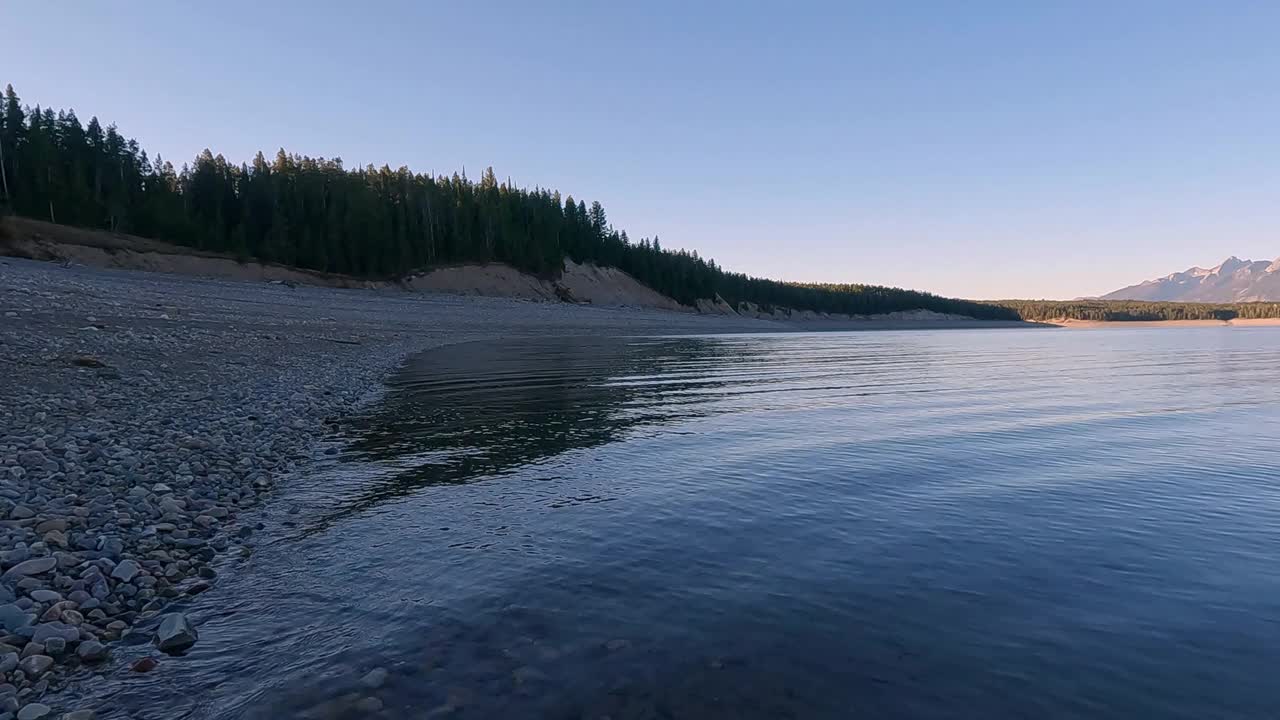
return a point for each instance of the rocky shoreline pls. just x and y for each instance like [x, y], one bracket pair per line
[143, 415]
[134, 432]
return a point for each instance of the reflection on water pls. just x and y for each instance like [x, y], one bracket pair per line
[480, 410]
[885, 525]
[477, 411]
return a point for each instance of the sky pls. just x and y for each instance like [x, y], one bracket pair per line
[978, 149]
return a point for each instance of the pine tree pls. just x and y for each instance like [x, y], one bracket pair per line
[316, 213]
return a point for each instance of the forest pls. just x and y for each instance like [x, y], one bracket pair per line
[367, 221]
[378, 222]
[1132, 310]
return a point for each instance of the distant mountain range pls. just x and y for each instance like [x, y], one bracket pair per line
[1235, 280]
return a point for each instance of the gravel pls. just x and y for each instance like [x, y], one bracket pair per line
[142, 415]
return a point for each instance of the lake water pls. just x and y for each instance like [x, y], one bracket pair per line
[952, 524]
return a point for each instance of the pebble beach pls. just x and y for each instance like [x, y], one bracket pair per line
[143, 416]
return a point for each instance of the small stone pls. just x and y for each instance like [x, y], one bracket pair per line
[175, 634]
[55, 646]
[92, 651]
[13, 617]
[144, 665]
[44, 631]
[55, 524]
[8, 662]
[88, 361]
[34, 566]
[375, 678]
[45, 596]
[80, 715]
[36, 665]
[125, 571]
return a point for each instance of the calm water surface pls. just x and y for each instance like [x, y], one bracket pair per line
[956, 524]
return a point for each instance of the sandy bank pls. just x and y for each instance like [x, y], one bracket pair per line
[581, 284]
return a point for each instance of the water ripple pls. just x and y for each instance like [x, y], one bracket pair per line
[889, 525]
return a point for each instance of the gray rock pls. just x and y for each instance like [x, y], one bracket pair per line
[32, 458]
[374, 679]
[17, 555]
[45, 596]
[34, 566]
[57, 524]
[55, 646]
[110, 547]
[175, 633]
[13, 617]
[8, 662]
[36, 665]
[44, 631]
[35, 711]
[126, 571]
[6, 594]
[92, 651]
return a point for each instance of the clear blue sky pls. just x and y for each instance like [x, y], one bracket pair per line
[980, 149]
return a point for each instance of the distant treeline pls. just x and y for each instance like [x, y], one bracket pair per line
[1132, 310]
[376, 222]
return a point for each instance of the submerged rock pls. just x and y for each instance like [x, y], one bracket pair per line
[35, 711]
[374, 679]
[175, 633]
[92, 652]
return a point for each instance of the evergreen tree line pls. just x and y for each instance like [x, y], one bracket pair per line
[1133, 310]
[375, 222]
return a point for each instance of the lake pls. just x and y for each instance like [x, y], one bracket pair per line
[934, 524]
